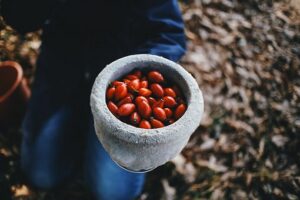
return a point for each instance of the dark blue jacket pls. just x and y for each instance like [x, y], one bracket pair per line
[102, 31]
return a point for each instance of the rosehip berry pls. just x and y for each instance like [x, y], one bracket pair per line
[112, 107]
[159, 113]
[155, 76]
[110, 93]
[127, 99]
[144, 109]
[126, 109]
[138, 99]
[168, 112]
[135, 118]
[145, 92]
[121, 92]
[126, 81]
[144, 84]
[169, 102]
[170, 92]
[151, 101]
[160, 103]
[179, 111]
[145, 124]
[157, 90]
[134, 85]
[155, 123]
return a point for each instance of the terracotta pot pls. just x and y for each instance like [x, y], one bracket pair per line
[14, 94]
[137, 149]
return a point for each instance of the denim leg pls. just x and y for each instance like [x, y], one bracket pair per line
[48, 158]
[107, 180]
[51, 128]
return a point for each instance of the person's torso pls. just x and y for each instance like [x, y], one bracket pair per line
[101, 31]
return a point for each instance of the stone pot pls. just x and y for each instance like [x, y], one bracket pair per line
[136, 149]
[14, 94]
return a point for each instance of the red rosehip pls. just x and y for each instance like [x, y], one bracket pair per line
[126, 109]
[155, 76]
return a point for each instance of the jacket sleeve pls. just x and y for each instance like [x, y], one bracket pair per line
[26, 15]
[163, 26]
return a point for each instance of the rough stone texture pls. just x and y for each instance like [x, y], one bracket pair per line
[139, 149]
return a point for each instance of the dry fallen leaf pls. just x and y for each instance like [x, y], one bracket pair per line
[207, 144]
[212, 164]
[279, 140]
[170, 192]
[22, 190]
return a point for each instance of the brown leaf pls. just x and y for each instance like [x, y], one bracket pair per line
[212, 164]
[20, 190]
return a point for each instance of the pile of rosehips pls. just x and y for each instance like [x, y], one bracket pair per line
[145, 100]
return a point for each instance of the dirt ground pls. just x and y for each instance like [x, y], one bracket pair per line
[245, 56]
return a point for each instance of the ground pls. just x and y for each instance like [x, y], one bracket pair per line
[245, 56]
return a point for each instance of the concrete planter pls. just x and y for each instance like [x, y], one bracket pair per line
[138, 149]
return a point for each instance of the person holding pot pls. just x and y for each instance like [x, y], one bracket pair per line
[79, 39]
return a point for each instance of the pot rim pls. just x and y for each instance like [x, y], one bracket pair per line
[16, 66]
[195, 104]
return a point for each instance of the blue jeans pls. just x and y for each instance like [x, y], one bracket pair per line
[59, 135]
